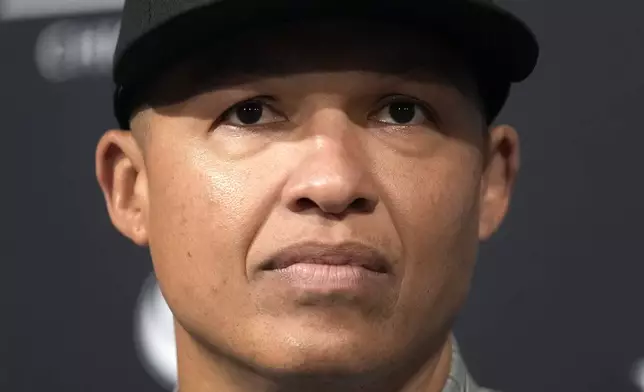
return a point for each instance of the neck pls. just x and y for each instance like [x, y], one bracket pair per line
[202, 369]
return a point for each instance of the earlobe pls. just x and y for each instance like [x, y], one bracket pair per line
[502, 167]
[121, 174]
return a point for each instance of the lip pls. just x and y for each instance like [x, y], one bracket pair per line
[324, 269]
[343, 255]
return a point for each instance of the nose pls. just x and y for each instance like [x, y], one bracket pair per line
[331, 181]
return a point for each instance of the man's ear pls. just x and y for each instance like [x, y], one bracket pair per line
[502, 167]
[121, 174]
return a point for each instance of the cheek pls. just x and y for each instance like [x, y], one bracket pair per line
[436, 209]
[202, 217]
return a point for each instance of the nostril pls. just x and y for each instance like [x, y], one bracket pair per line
[304, 204]
[361, 204]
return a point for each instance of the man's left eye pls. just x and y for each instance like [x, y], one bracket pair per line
[401, 113]
[254, 112]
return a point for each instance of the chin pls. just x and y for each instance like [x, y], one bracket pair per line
[324, 352]
[313, 363]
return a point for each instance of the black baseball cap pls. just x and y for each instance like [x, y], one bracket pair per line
[155, 34]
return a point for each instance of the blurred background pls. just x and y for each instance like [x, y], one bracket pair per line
[557, 298]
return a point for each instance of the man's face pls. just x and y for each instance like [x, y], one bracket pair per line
[247, 192]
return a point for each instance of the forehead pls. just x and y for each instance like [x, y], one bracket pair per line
[316, 46]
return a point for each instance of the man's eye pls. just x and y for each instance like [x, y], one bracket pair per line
[254, 112]
[402, 113]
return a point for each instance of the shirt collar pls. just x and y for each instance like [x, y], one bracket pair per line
[459, 379]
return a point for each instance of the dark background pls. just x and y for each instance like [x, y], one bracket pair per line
[557, 299]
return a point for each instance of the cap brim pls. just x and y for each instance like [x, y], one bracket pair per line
[499, 44]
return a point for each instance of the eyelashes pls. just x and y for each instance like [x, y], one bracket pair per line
[402, 110]
[394, 110]
[252, 112]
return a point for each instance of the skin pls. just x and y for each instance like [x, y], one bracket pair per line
[213, 199]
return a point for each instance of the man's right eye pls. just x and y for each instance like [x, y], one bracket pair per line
[251, 113]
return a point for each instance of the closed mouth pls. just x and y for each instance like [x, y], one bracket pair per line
[347, 254]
